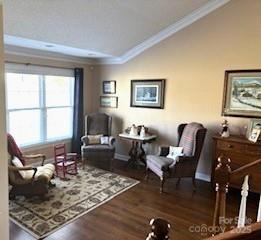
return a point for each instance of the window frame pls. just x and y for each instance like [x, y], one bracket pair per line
[43, 140]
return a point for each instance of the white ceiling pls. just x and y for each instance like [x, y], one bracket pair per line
[91, 28]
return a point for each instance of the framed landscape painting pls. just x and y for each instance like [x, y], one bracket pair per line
[108, 102]
[147, 93]
[242, 93]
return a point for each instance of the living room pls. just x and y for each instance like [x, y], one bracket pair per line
[192, 54]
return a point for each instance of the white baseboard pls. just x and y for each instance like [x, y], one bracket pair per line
[201, 176]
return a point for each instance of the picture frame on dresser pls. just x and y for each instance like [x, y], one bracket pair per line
[253, 123]
[252, 130]
[242, 93]
[255, 133]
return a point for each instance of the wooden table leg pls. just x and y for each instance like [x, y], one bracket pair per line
[142, 154]
[133, 153]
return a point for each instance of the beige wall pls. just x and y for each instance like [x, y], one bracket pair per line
[4, 229]
[48, 149]
[193, 61]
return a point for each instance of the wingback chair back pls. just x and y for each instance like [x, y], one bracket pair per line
[98, 123]
[191, 138]
[13, 149]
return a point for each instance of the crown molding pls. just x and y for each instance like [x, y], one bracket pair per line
[167, 32]
[39, 55]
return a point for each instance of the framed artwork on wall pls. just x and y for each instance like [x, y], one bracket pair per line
[108, 102]
[147, 93]
[109, 87]
[242, 93]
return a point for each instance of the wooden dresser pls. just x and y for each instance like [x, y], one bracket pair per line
[240, 151]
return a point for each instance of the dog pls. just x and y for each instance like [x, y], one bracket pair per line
[159, 229]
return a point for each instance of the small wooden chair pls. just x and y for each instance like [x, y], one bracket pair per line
[65, 162]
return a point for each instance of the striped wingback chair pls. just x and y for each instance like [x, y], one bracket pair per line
[191, 138]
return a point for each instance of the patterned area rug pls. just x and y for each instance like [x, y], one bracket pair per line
[68, 200]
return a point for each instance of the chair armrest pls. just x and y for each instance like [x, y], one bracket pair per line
[183, 160]
[35, 156]
[13, 168]
[186, 158]
[85, 140]
[111, 140]
[164, 151]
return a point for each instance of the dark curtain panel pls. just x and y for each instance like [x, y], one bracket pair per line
[77, 111]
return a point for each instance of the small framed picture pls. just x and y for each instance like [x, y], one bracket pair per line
[253, 123]
[108, 102]
[109, 87]
[255, 133]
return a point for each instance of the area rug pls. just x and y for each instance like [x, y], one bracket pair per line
[68, 200]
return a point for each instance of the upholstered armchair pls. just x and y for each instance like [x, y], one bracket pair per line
[98, 144]
[27, 180]
[191, 138]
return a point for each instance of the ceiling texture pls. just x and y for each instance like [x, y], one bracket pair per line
[104, 29]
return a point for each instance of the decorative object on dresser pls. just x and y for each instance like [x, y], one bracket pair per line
[109, 87]
[99, 152]
[239, 150]
[242, 93]
[147, 93]
[191, 138]
[225, 129]
[137, 153]
[64, 162]
[108, 102]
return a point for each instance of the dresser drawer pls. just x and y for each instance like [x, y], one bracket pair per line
[231, 146]
[235, 157]
[253, 150]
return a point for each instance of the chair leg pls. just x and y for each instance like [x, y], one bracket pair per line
[51, 185]
[64, 171]
[12, 195]
[75, 166]
[83, 163]
[111, 165]
[146, 178]
[178, 182]
[162, 180]
[194, 183]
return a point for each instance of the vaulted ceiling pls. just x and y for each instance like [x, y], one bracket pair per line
[92, 28]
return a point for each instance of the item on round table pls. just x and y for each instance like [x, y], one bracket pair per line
[133, 130]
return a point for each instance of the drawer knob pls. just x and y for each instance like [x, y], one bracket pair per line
[230, 146]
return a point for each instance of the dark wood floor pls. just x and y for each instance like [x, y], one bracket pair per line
[127, 216]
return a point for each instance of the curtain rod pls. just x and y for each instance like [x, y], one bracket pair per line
[39, 65]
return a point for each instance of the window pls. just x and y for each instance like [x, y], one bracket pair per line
[39, 104]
